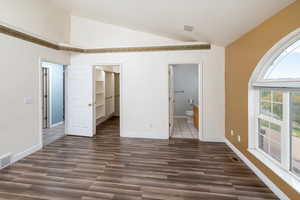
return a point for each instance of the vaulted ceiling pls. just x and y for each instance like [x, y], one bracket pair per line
[215, 21]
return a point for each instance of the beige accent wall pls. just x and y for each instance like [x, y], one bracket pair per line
[242, 56]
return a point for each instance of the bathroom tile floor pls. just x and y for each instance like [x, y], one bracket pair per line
[183, 129]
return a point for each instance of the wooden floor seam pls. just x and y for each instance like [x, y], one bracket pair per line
[109, 167]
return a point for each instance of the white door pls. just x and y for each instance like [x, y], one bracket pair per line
[80, 120]
[171, 100]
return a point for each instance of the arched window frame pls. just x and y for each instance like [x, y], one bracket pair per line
[257, 78]
[257, 81]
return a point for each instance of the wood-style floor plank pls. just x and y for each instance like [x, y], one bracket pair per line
[110, 167]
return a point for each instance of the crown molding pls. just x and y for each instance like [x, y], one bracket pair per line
[27, 37]
[36, 40]
[149, 48]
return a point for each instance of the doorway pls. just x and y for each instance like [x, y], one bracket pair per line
[184, 100]
[53, 101]
[107, 96]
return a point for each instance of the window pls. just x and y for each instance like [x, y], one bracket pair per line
[286, 65]
[269, 135]
[271, 103]
[273, 125]
[295, 132]
[269, 122]
[274, 110]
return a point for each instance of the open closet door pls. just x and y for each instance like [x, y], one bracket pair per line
[171, 100]
[80, 100]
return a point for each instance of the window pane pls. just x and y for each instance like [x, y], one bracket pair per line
[263, 125]
[265, 95]
[295, 155]
[275, 150]
[265, 108]
[277, 110]
[277, 97]
[275, 132]
[271, 103]
[286, 65]
[263, 143]
[295, 131]
[269, 138]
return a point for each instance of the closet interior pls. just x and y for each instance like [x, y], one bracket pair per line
[107, 92]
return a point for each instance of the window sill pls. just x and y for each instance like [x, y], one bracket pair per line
[284, 174]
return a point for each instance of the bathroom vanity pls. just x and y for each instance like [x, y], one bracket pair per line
[196, 115]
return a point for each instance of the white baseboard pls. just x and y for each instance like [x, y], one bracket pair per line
[259, 173]
[25, 153]
[180, 117]
[146, 135]
[101, 120]
[212, 140]
[57, 124]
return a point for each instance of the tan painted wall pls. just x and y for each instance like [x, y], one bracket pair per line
[242, 56]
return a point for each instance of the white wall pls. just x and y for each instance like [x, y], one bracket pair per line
[19, 69]
[145, 87]
[92, 34]
[40, 17]
[144, 111]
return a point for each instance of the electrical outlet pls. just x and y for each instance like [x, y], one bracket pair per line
[239, 138]
[231, 132]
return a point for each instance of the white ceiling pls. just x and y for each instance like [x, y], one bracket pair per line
[216, 21]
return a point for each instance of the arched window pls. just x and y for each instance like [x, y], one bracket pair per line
[286, 66]
[274, 110]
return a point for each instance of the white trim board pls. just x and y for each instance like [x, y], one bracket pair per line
[27, 152]
[212, 140]
[57, 124]
[101, 120]
[180, 117]
[49, 91]
[281, 195]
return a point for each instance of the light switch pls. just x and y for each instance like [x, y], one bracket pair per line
[28, 100]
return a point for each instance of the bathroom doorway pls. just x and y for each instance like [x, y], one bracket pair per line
[184, 101]
[52, 90]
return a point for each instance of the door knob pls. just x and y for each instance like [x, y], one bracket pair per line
[90, 104]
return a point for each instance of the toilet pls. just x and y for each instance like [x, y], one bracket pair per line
[189, 115]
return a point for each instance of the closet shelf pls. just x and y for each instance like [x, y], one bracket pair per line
[99, 92]
[98, 105]
[100, 116]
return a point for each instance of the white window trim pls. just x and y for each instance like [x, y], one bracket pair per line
[257, 78]
[284, 174]
[282, 170]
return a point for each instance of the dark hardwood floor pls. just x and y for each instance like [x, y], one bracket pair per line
[110, 167]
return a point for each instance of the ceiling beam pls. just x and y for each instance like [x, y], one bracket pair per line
[30, 38]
